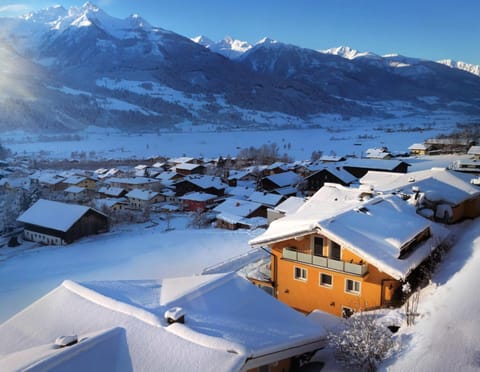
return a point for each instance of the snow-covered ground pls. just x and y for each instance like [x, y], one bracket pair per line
[446, 335]
[352, 137]
[131, 252]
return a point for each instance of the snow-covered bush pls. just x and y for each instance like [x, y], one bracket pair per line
[362, 343]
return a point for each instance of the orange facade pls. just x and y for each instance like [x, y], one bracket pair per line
[313, 272]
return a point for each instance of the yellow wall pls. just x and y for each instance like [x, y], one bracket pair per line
[309, 295]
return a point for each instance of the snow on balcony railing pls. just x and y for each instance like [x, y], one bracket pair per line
[329, 263]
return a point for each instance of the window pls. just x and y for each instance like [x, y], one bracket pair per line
[352, 286]
[326, 280]
[317, 246]
[335, 251]
[301, 274]
[346, 312]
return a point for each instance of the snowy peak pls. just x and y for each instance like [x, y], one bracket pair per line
[266, 41]
[228, 47]
[203, 40]
[349, 53]
[473, 69]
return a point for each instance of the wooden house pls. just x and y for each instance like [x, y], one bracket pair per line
[420, 149]
[80, 181]
[200, 183]
[132, 183]
[186, 169]
[197, 201]
[360, 167]
[315, 181]
[76, 193]
[474, 151]
[339, 254]
[51, 222]
[441, 194]
[140, 199]
[234, 213]
[279, 180]
[450, 145]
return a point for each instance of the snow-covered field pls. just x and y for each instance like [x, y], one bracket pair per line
[132, 252]
[352, 137]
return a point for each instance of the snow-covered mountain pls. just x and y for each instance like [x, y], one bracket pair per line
[68, 68]
[473, 69]
[227, 47]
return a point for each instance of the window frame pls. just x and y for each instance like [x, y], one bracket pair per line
[321, 284]
[330, 245]
[302, 270]
[353, 292]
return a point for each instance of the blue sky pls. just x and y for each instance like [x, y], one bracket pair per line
[431, 29]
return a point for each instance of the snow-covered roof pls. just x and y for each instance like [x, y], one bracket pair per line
[377, 153]
[48, 178]
[142, 194]
[236, 207]
[53, 215]
[373, 163]
[228, 327]
[180, 160]
[132, 180]
[187, 166]
[205, 182]
[111, 191]
[418, 146]
[198, 196]
[265, 198]
[452, 186]
[240, 191]
[75, 189]
[290, 205]
[375, 229]
[73, 180]
[284, 179]
[474, 150]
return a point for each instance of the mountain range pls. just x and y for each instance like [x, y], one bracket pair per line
[64, 69]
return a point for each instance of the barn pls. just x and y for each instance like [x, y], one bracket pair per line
[54, 223]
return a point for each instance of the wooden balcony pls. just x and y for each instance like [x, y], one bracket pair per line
[325, 262]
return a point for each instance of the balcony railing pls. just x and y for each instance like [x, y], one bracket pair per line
[329, 263]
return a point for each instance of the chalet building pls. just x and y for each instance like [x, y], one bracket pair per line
[438, 193]
[420, 149]
[50, 182]
[112, 192]
[206, 184]
[279, 180]
[360, 167]
[466, 166]
[450, 145]
[76, 193]
[339, 254]
[240, 177]
[338, 175]
[186, 169]
[266, 199]
[277, 167]
[197, 201]
[132, 183]
[51, 222]
[381, 153]
[234, 214]
[140, 199]
[80, 181]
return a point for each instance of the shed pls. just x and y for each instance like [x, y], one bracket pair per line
[52, 222]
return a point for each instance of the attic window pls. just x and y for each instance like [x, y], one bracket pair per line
[64, 341]
[175, 315]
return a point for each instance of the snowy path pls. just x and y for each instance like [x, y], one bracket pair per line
[446, 337]
[137, 254]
